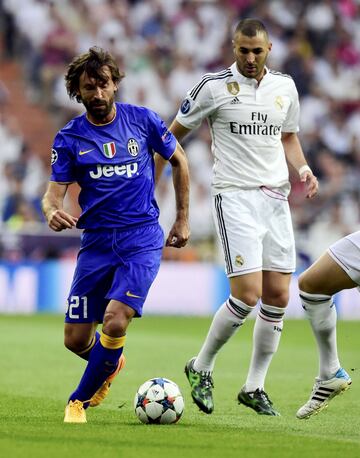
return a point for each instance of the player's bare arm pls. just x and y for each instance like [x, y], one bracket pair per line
[295, 157]
[52, 205]
[160, 163]
[180, 231]
[179, 131]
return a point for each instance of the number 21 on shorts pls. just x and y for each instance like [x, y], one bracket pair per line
[77, 307]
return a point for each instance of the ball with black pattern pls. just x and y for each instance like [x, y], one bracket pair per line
[159, 401]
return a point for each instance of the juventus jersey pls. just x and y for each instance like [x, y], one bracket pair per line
[114, 166]
[246, 120]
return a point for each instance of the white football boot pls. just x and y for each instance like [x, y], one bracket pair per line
[323, 391]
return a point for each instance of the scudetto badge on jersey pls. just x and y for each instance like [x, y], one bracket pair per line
[133, 147]
[109, 149]
[54, 156]
[185, 106]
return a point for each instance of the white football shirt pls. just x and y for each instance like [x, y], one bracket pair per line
[246, 120]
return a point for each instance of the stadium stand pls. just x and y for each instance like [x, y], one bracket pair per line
[316, 42]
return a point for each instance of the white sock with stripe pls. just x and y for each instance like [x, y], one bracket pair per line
[321, 311]
[227, 320]
[266, 337]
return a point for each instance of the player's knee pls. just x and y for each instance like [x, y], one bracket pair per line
[282, 299]
[250, 298]
[115, 324]
[305, 283]
[276, 297]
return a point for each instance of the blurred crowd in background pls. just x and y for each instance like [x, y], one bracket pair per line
[164, 47]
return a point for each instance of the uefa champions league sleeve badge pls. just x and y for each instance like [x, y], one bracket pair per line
[54, 156]
[185, 106]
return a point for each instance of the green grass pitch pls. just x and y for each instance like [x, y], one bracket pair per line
[37, 374]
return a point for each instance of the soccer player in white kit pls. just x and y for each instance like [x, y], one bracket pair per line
[253, 116]
[335, 270]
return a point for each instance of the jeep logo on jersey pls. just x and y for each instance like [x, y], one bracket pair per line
[108, 171]
[233, 87]
[109, 149]
[185, 106]
[54, 156]
[133, 147]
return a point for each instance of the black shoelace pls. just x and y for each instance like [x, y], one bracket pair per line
[206, 379]
[261, 395]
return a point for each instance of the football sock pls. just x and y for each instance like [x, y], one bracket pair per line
[85, 352]
[103, 361]
[321, 311]
[266, 337]
[227, 320]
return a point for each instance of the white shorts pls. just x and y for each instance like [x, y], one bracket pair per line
[255, 229]
[346, 253]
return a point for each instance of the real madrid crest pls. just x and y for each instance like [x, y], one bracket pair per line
[133, 147]
[233, 87]
[279, 103]
[239, 260]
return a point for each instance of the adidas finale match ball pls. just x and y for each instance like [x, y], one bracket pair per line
[159, 401]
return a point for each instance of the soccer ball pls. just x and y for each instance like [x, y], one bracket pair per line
[159, 401]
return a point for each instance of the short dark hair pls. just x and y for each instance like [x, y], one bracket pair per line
[91, 62]
[251, 27]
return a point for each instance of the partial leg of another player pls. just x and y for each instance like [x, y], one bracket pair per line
[266, 338]
[80, 338]
[227, 320]
[245, 292]
[105, 361]
[317, 286]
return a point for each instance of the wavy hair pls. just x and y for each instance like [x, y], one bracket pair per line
[92, 63]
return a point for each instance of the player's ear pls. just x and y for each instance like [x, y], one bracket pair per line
[78, 96]
[233, 47]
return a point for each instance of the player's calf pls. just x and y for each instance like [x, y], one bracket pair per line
[103, 391]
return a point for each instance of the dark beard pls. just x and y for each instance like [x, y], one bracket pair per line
[99, 112]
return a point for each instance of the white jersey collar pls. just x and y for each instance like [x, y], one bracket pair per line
[243, 79]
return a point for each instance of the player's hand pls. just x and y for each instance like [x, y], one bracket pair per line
[311, 183]
[59, 220]
[179, 234]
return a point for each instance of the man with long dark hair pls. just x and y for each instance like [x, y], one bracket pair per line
[109, 152]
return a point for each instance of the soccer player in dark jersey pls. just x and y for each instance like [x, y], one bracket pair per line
[109, 152]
